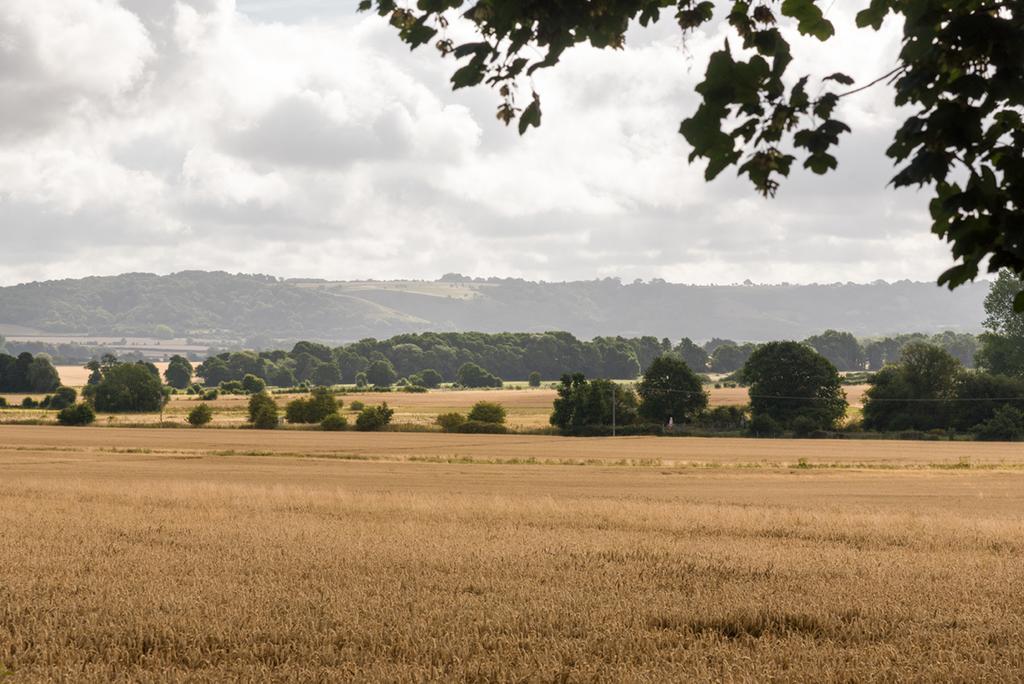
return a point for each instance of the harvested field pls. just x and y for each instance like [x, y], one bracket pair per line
[684, 452]
[153, 555]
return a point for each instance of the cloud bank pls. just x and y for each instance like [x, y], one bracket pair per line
[302, 140]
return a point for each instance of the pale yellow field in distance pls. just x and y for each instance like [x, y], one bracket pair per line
[527, 408]
[215, 555]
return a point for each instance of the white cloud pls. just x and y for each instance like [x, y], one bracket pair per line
[299, 139]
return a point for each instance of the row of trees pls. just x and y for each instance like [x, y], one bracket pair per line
[793, 388]
[26, 373]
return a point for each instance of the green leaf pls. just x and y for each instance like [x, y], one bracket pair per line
[821, 163]
[810, 19]
[839, 77]
[530, 116]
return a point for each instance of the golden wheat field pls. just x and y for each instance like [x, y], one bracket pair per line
[233, 555]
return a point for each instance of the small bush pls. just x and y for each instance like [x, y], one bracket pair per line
[3, 402]
[723, 418]
[252, 384]
[764, 426]
[450, 422]
[231, 387]
[200, 415]
[414, 389]
[78, 414]
[211, 394]
[334, 423]
[534, 380]
[428, 378]
[479, 427]
[487, 412]
[357, 406]
[318, 406]
[361, 380]
[263, 411]
[374, 418]
[29, 403]
[803, 426]
[1006, 424]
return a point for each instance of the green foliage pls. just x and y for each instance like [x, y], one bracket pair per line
[724, 418]
[26, 373]
[692, 355]
[334, 423]
[263, 411]
[374, 418]
[914, 394]
[428, 378]
[789, 380]
[979, 395]
[763, 425]
[231, 387]
[381, 373]
[314, 409]
[129, 388]
[450, 422]
[481, 427]
[252, 384]
[77, 414]
[583, 404]
[1006, 424]
[357, 405]
[29, 403]
[211, 394]
[200, 415]
[487, 412]
[669, 389]
[42, 376]
[959, 78]
[3, 402]
[62, 398]
[730, 357]
[1002, 345]
[841, 349]
[362, 380]
[472, 375]
[534, 379]
[179, 372]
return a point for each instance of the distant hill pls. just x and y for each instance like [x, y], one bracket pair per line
[223, 307]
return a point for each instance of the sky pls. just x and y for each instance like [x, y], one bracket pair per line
[301, 139]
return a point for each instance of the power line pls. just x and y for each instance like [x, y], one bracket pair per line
[871, 399]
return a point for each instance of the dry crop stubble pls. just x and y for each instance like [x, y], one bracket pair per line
[139, 566]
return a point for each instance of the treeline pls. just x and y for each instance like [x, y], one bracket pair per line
[514, 356]
[27, 373]
[452, 357]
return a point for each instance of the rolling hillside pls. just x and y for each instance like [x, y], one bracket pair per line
[225, 307]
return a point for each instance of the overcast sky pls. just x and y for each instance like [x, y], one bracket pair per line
[296, 138]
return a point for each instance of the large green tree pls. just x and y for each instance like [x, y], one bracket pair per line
[179, 372]
[583, 405]
[790, 381]
[669, 389]
[916, 393]
[959, 80]
[128, 388]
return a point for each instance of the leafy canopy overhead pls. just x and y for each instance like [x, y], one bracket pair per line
[960, 73]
